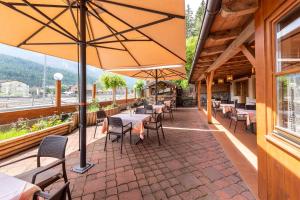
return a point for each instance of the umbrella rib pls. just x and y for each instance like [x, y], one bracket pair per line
[92, 33]
[47, 17]
[127, 40]
[40, 29]
[144, 9]
[104, 47]
[101, 20]
[177, 73]
[135, 28]
[109, 28]
[145, 35]
[40, 5]
[39, 21]
[74, 19]
[50, 43]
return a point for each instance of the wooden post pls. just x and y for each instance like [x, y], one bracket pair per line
[126, 94]
[135, 93]
[199, 95]
[209, 80]
[58, 96]
[94, 91]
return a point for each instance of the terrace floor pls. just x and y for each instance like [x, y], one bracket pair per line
[190, 164]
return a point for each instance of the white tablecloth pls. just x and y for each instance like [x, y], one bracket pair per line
[137, 121]
[12, 188]
[226, 107]
[158, 108]
[249, 114]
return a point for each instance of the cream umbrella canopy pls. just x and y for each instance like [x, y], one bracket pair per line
[109, 34]
[169, 72]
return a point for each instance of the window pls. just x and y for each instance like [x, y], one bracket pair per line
[287, 75]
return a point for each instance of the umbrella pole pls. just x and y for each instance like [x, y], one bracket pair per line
[83, 166]
[156, 86]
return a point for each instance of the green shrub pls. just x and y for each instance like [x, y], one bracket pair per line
[94, 106]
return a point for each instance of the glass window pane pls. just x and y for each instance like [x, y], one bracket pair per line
[288, 41]
[288, 102]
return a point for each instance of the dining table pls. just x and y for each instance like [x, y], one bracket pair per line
[250, 115]
[137, 121]
[158, 108]
[226, 107]
[12, 188]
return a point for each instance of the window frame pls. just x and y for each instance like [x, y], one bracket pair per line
[280, 133]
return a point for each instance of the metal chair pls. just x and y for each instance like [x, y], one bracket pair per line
[116, 127]
[101, 115]
[52, 146]
[155, 125]
[168, 109]
[216, 107]
[140, 111]
[60, 194]
[235, 116]
[149, 109]
[250, 107]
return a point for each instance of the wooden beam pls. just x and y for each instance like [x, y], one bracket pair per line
[234, 47]
[199, 95]
[249, 55]
[222, 36]
[209, 80]
[238, 8]
[94, 91]
[58, 96]
[213, 50]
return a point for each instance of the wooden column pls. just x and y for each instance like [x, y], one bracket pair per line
[199, 95]
[209, 80]
[94, 91]
[126, 94]
[58, 96]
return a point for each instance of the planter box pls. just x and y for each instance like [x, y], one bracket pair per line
[18, 144]
[91, 117]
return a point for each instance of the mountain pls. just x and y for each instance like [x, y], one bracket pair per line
[31, 73]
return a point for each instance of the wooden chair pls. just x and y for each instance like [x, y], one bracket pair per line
[101, 115]
[235, 116]
[52, 146]
[116, 127]
[60, 194]
[155, 125]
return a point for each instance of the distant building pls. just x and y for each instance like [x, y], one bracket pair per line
[14, 88]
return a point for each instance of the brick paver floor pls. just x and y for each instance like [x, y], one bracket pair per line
[190, 164]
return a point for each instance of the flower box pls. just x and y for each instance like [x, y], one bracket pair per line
[18, 144]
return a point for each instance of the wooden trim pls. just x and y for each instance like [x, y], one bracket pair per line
[249, 55]
[199, 94]
[238, 9]
[285, 145]
[289, 71]
[234, 47]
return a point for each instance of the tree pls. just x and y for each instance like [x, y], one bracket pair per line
[189, 21]
[112, 81]
[198, 18]
[139, 86]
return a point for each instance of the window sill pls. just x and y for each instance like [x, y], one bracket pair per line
[284, 144]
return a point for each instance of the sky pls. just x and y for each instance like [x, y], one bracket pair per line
[194, 4]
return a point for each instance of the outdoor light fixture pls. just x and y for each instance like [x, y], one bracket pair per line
[58, 76]
[220, 81]
[213, 83]
[229, 77]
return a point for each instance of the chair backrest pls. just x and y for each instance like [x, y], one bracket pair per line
[140, 111]
[52, 146]
[240, 105]
[149, 107]
[233, 111]
[60, 194]
[250, 107]
[115, 122]
[101, 114]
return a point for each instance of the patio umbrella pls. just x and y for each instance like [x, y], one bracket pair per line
[169, 72]
[103, 33]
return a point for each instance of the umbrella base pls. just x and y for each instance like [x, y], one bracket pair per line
[82, 170]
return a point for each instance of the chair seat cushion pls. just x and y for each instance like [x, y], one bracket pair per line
[118, 130]
[43, 179]
[151, 125]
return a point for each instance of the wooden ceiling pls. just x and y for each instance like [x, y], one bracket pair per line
[229, 47]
